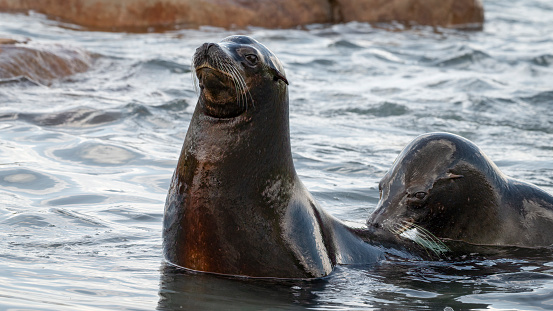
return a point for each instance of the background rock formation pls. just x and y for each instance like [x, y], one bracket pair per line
[446, 13]
[124, 14]
[40, 63]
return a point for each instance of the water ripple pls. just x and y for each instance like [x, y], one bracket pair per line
[85, 162]
[96, 154]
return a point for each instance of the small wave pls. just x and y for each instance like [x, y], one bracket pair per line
[386, 109]
[385, 56]
[77, 199]
[542, 98]
[97, 154]
[459, 57]
[136, 110]
[463, 60]
[85, 117]
[81, 219]
[477, 84]
[172, 66]
[499, 112]
[545, 60]
[493, 105]
[20, 81]
[315, 63]
[130, 215]
[27, 221]
[350, 168]
[26, 179]
[323, 62]
[174, 105]
[386, 91]
[79, 117]
[29, 181]
[467, 84]
[344, 44]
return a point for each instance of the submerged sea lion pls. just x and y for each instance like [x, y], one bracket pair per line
[235, 205]
[443, 186]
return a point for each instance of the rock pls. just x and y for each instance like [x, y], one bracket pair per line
[8, 41]
[445, 13]
[142, 14]
[40, 63]
[107, 14]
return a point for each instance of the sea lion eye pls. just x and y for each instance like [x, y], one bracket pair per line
[251, 58]
[420, 195]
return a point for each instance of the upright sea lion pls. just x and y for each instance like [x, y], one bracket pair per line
[443, 186]
[235, 205]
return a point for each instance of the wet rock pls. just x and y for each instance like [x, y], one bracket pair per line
[125, 14]
[39, 63]
[445, 13]
[8, 41]
[108, 14]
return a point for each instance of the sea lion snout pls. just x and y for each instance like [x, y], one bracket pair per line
[207, 46]
[223, 88]
[210, 55]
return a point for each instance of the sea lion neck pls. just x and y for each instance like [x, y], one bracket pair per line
[244, 151]
[233, 183]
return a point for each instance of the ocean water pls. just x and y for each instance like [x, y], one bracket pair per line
[85, 162]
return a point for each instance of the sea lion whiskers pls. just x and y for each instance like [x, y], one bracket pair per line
[237, 85]
[224, 66]
[400, 230]
[396, 228]
[242, 88]
[245, 90]
[194, 78]
[430, 240]
[421, 236]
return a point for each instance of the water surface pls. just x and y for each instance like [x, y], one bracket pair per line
[85, 162]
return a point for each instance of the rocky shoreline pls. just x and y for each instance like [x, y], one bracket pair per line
[145, 14]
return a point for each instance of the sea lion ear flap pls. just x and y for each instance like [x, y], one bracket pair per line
[453, 176]
[279, 76]
[450, 176]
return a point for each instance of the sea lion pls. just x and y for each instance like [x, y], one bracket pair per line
[236, 205]
[443, 187]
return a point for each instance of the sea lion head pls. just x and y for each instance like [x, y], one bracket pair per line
[228, 71]
[435, 189]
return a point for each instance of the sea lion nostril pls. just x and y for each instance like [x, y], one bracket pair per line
[208, 46]
[204, 48]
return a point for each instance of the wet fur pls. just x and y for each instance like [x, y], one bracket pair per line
[465, 197]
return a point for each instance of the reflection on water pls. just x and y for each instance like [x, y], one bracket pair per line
[26, 180]
[85, 161]
[181, 289]
[96, 154]
[463, 285]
